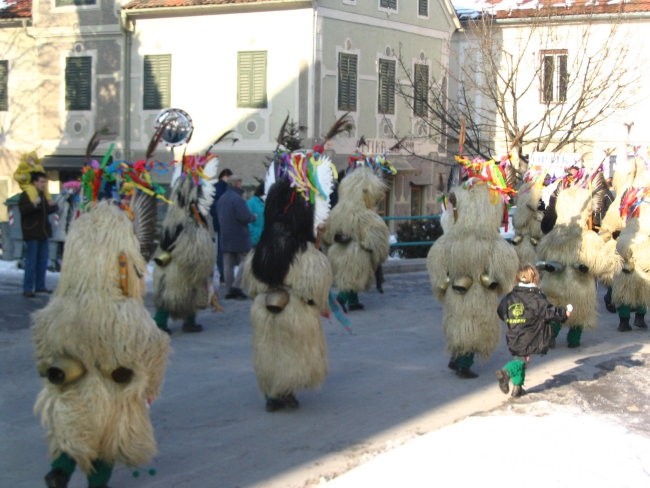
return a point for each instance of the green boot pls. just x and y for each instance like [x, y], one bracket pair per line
[573, 337]
[161, 317]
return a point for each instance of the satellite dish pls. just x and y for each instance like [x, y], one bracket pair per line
[176, 126]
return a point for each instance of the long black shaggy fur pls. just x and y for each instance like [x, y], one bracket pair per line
[169, 237]
[288, 227]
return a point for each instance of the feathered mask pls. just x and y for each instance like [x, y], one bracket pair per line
[491, 173]
[631, 202]
[311, 176]
[378, 163]
[118, 180]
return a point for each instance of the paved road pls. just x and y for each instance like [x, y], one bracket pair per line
[388, 384]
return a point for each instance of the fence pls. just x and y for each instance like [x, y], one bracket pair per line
[414, 240]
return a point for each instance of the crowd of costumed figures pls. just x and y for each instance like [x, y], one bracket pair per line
[102, 355]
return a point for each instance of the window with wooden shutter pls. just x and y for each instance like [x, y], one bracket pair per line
[388, 4]
[251, 79]
[4, 81]
[421, 90]
[156, 81]
[423, 8]
[78, 83]
[347, 99]
[386, 88]
[75, 3]
[554, 76]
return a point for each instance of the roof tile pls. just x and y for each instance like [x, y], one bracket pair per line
[16, 9]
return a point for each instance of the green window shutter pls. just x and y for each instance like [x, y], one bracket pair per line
[156, 81]
[347, 96]
[4, 81]
[78, 83]
[251, 79]
[389, 4]
[386, 89]
[423, 8]
[421, 90]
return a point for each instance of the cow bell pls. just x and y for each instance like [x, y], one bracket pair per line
[276, 300]
[64, 371]
[163, 259]
[462, 284]
[488, 282]
[582, 268]
[342, 238]
[628, 266]
[550, 266]
[445, 284]
[517, 239]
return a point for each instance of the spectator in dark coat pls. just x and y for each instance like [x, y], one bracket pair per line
[220, 188]
[36, 232]
[234, 217]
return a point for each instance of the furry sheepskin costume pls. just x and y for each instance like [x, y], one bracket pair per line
[186, 256]
[289, 280]
[631, 286]
[357, 239]
[100, 353]
[571, 258]
[470, 266]
[527, 221]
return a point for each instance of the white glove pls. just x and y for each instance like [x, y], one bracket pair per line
[569, 308]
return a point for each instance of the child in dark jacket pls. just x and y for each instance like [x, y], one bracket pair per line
[527, 314]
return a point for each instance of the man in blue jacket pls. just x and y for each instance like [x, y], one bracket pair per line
[234, 217]
[220, 188]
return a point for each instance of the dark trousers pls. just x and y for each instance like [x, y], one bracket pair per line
[220, 259]
[36, 259]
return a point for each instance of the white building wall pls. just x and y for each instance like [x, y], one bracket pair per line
[204, 74]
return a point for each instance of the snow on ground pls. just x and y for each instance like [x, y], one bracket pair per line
[8, 268]
[558, 447]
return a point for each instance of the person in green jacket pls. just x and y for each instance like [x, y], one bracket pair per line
[256, 206]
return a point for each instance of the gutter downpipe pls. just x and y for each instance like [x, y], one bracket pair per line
[128, 27]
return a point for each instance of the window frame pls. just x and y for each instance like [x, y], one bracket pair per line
[352, 103]
[251, 100]
[388, 6]
[156, 65]
[554, 85]
[420, 96]
[4, 85]
[418, 191]
[74, 4]
[420, 5]
[70, 104]
[390, 109]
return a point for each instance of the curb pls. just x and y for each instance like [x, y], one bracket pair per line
[405, 265]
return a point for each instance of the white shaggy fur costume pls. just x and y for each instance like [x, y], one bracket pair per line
[289, 348]
[97, 322]
[186, 256]
[571, 258]
[632, 285]
[527, 222]
[357, 239]
[470, 266]
[289, 280]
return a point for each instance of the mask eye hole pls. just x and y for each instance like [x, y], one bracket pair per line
[122, 375]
